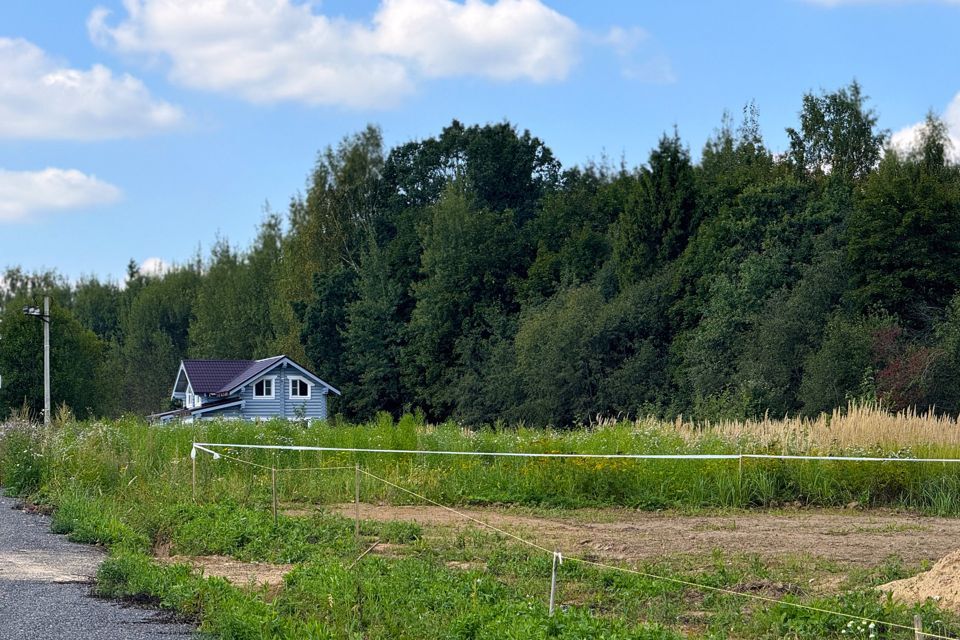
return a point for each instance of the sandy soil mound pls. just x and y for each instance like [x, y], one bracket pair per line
[941, 583]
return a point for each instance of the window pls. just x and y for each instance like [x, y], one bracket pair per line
[299, 388]
[263, 388]
[189, 401]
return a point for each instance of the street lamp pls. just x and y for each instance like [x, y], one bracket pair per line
[45, 317]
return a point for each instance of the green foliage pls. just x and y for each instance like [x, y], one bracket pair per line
[472, 277]
[373, 338]
[905, 233]
[77, 356]
[469, 258]
[328, 229]
[221, 609]
[325, 320]
[399, 531]
[945, 369]
[661, 214]
[233, 304]
[837, 135]
[96, 306]
[785, 332]
[17, 285]
[712, 349]
[553, 357]
[21, 458]
[94, 520]
[126, 486]
[863, 606]
[571, 229]
[506, 170]
[156, 337]
[578, 350]
[842, 368]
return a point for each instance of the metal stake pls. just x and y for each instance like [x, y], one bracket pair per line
[193, 460]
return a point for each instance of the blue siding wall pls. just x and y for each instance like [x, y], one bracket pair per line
[229, 412]
[282, 405]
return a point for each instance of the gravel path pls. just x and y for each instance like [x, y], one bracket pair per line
[45, 583]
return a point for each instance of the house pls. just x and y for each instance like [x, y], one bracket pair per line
[274, 387]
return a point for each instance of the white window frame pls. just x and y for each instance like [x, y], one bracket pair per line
[188, 398]
[273, 388]
[309, 384]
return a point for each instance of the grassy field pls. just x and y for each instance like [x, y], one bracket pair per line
[128, 486]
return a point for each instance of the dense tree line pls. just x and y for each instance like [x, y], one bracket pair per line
[471, 276]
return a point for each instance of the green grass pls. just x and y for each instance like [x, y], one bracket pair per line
[128, 457]
[501, 593]
[128, 486]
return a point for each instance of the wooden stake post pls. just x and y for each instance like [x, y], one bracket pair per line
[356, 504]
[740, 479]
[273, 482]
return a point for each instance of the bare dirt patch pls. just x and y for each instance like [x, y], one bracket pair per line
[255, 574]
[389, 550]
[465, 565]
[850, 537]
[941, 583]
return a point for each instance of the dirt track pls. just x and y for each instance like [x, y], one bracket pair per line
[861, 538]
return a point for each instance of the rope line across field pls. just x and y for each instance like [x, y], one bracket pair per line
[558, 558]
[653, 576]
[206, 446]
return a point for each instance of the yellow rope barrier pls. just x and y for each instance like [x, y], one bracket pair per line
[611, 567]
[653, 576]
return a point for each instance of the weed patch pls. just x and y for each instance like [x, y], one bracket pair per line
[129, 487]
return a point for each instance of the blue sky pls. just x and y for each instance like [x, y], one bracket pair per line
[143, 129]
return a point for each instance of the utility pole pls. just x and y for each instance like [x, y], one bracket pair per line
[46, 360]
[45, 317]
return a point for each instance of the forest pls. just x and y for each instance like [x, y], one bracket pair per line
[471, 277]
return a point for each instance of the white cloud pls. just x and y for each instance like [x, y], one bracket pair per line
[154, 267]
[624, 41]
[23, 194]
[280, 50]
[907, 138]
[41, 98]
[638, 61]
[506, 40]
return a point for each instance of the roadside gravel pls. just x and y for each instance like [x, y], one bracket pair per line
[45, 589]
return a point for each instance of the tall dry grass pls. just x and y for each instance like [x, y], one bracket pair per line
[859, 426]
[151, 464]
